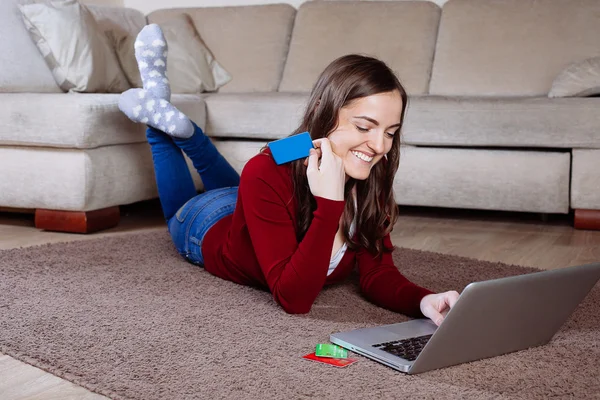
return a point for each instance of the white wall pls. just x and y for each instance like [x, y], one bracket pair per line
[118, 3]
[147, 6]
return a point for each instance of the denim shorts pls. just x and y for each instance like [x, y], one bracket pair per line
[193, 220]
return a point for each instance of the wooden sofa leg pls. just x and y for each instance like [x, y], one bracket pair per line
[77, 221]
[587, 219]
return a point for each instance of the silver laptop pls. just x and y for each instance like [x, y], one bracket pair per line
[490, 318]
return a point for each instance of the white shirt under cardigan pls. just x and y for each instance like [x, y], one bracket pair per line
[337, 257]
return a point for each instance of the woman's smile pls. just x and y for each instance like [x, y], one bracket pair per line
[363, 157]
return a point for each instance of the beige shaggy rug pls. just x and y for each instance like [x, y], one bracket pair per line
[128, 318]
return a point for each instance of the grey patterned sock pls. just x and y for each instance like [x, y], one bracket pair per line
[151, 54]
[151, 105]
[143, 106]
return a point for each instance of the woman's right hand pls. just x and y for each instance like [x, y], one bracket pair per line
[327, 178]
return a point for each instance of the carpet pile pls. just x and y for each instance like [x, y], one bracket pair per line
[126, 317]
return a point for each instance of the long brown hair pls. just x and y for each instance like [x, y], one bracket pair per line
[346, 79]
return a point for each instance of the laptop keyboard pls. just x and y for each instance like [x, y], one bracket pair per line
[408, 349]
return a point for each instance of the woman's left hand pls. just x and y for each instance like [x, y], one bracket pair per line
[436, 306]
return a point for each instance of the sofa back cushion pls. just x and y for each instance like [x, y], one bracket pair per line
[22, 67]
[402, 34]
[511, 47]
[122, 19]
[250, 42]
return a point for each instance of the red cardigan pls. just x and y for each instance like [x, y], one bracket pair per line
[257, 246]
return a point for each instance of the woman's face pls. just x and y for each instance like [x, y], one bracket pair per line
[365, 131]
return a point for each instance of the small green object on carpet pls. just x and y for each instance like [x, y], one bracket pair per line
[330, 350]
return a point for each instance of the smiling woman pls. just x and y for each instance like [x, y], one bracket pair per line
[358, 105]
[297, 227]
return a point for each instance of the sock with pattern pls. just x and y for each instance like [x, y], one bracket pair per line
[151, 105]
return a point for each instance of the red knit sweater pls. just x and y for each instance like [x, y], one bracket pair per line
[257, 246]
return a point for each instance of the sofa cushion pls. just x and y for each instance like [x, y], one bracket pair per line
[118, 18]
[578, 79]
[402, 34]
[254, 115]
[74, 47]
[511, 47]
[585, 182]
[78, 179]
[121, 26]
[487, 179]
[191, 66]
[239, 152]
[250, 42]
[22, 67]
[76, 120]
[510, 122]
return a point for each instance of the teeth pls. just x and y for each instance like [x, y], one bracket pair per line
[362, 156]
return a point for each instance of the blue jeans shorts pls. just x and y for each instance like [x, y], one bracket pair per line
[189, 225]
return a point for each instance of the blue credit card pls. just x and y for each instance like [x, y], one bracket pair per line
[291, 148]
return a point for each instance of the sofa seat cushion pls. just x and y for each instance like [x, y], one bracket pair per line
[254, 115]
[78, 179]
[76, 120]
[486, 179]
[506, 122]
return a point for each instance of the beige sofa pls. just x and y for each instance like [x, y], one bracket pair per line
[481, 131]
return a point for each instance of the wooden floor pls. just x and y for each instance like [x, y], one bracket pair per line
[523, 239]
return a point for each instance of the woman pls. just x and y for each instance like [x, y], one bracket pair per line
[292, 228]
